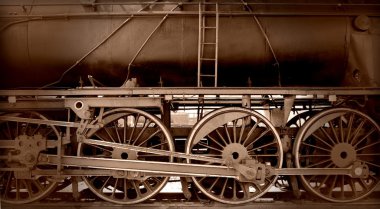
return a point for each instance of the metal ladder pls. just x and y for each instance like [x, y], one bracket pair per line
[208, 45]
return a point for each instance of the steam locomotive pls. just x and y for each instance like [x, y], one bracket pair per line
[230, 97]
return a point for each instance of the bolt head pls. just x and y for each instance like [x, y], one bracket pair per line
[358, 171]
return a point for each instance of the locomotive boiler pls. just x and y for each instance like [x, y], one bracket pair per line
[274, 93]
[285, 48]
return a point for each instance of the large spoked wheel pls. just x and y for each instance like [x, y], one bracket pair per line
[18, 190]
[235, 134]
[134, 127]
[336, 138]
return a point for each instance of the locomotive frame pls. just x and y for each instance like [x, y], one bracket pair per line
[90, 105]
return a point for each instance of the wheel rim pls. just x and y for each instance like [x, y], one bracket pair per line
[20, 191]
[128, 126]
[335, 139]
[239, 139]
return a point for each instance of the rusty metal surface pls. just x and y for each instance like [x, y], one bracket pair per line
[318, 49]
[196, 91]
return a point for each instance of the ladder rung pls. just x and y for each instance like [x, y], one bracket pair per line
[208, 43]
[208, 59]
[206, 75]
[209, 27]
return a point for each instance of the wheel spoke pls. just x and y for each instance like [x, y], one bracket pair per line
[363, 184]
[28, 188]
[149, 137]
[40, 189]
[7, 187]
[137, 189]
[215, 141]
[327, 135]
[49, 132]
[334, 131]
[133, 128]
[17, 131]
[259, 137]
[314, 146]
[320, 139]
[145, 126]
[332, 186]
[357, 131]
[99, 147]
[370, 145]
[265, 145]
[158, 145]
[311, 156]
[251, 132]
[234, 189]
[341, 129]
[115, 124]
[368, 154]
[353, 187]
[220, 136]
[9, 131]
[109, 134]
[234, 131]
[322, 183]
[213, 184]
[125, 189]
[227, 133]
[17, 189]
[245, 189]
[223, 188]
[364, 137]
[36, 129]
[242, 129]
[319, 163]
[104, 184]
[349, 128]
[207, 146]
[369, 163]
[147, 186]
[263, 155]
[342, 187]
[114, 188]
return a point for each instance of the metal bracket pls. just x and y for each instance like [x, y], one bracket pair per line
[27, 174]
[81, 106]
[251, 171]
[44, 121]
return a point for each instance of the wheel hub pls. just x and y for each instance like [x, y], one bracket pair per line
[343, 155]
[235, 153]
[29, 147]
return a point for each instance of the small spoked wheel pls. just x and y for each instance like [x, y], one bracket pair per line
[300, 119]
[133, 127]
[234, 134]
[15, 189]
[337, 138]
